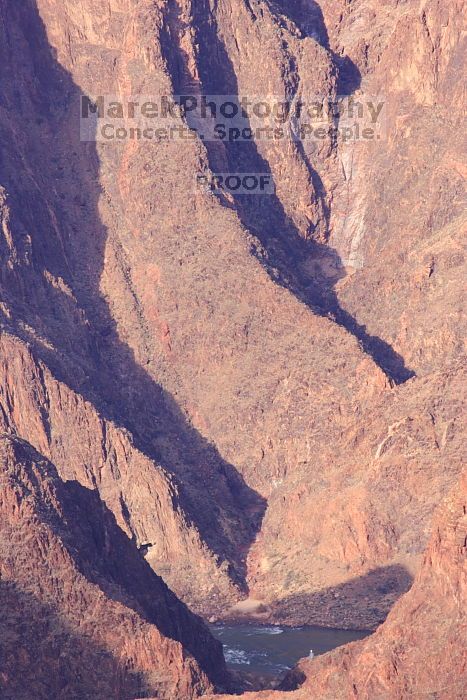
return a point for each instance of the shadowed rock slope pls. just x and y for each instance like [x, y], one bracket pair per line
[419, 650]
[82, 613]
[236, 378]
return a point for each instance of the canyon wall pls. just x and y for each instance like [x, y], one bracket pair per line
[419, 649]
[265, 392]
[83, 615]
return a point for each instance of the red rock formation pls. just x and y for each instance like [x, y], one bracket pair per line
[419, 650]
[234, 378]
[83, 615]
[404, 216]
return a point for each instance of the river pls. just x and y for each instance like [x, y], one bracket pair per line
[272, 650]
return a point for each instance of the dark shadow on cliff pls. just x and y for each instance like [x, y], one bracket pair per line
[42, 657]
[283, 247]
[75, 519]
[107, 557]
[361, 603]
[53, 185]
[307, 15]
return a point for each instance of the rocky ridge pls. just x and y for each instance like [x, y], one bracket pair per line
[266, 395]
[114, 268]
[417, 650]
[83, 615]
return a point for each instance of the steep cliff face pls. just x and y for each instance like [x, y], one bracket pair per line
[419, 649]
[56, 249]
[363, 542]
[404, 214]
[83, 615]
[236, 377]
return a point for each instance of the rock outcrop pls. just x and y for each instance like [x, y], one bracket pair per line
[83, 615]
[264, 391]
[419, 649]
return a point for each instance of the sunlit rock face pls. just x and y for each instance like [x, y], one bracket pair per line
[83, 615]
[419, 648]
[263, 391]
